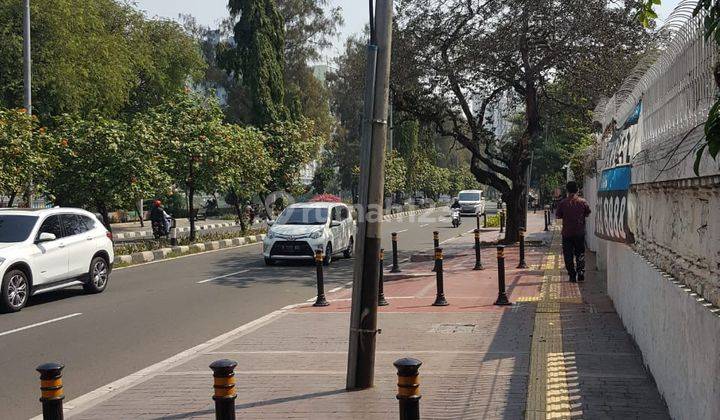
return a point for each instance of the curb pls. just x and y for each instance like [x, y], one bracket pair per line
[410, 213]
[176, 251]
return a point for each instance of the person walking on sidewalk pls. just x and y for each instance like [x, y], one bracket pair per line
[573, 210]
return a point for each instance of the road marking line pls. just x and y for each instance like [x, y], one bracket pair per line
[426, 224]
[39, 324]
[337, 289]
[222, 277]
[401, 231]
[401, 261]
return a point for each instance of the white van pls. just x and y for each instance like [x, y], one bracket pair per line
[471, 202]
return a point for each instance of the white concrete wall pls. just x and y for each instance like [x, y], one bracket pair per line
[677, 332]
[590, 194]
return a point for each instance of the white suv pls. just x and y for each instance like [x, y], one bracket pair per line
[303, 228]
[50, 249]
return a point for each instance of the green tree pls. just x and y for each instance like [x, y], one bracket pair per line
[395, 169]
[27, 155]
[100, 165]
[89, 56]
[195, 146]
[292, 145]
[258, 57]
[460, 178]
[249, 168]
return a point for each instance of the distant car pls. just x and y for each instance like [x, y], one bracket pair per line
[303, 228]
[471, 202]
[50, 249]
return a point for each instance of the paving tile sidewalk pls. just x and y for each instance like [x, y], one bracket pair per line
[559, 352]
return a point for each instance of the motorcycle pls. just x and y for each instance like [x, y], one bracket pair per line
[161, 229]
[455, 217]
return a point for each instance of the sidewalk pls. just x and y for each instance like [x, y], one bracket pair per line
[559, 352]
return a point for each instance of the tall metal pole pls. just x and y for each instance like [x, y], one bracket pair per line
[27, 61]
[363, 316]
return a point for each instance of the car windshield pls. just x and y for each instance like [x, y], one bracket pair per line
[16, 228]
[469, 196]
[303, 216]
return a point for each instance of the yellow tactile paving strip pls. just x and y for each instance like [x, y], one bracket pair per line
[552, 371]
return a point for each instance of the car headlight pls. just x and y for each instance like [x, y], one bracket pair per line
[316, 234]
[270, 235]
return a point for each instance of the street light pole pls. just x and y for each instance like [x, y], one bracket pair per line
[27, 61]
[363, 315]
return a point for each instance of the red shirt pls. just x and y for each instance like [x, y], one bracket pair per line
[573, 210]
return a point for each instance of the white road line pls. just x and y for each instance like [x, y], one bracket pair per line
[424, 225]
[337, 289]
[401, 231]
[222, 277]
[39, 324]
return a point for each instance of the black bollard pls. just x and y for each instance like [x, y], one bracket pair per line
[224, 386]
[381, 291]
[395, 264]
[320, 280]
[502, 220]
[440, 295]
[502, 299]
[522, 263]
[408, 388]
[477, 221]
[547, 216]
[478, 261]
[51, 390]
[436, 244]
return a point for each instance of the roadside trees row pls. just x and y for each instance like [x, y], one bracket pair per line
[183, 144]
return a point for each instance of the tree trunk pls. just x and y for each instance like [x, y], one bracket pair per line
[11, 199]
[514, 217]
[140, 213]
[102, 209]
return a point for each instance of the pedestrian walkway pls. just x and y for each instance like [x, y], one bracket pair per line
[559, 352]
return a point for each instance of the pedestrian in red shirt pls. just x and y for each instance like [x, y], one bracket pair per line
[573, 210]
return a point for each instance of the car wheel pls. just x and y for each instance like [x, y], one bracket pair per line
[269, 261]
[348, 253]
[98, 276]
[328, 254]
[15, 291]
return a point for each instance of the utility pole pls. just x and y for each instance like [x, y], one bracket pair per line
[27, 60]
[363, 316]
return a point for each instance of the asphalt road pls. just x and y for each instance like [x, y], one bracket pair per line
[151, 312]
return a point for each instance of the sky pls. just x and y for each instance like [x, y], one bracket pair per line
[355, 12]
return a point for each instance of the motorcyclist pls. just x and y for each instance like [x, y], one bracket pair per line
[158, 215]
[455, 204]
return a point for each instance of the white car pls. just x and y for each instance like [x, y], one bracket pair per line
[50, 249]
[471, 202]
[303, 228]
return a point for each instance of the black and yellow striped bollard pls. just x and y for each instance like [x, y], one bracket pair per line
[440, 295]
[51, 390]
[502, 299]
[408, 388]
[320, 301]
[381, 288]
[395, 263]
[522, 263]
[224, 386]
[436, 244]
[478, 257]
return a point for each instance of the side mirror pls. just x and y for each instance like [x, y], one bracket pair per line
[334, 223]
[270, 222]
[46, 237]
